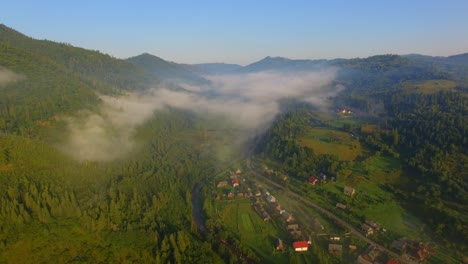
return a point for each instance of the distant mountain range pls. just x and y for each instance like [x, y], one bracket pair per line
[147, 70]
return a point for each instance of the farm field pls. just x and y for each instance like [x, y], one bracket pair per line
[259, 235]
[333, 142]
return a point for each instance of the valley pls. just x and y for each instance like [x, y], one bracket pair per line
[142, 160]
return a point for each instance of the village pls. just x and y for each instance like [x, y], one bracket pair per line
[299, 239]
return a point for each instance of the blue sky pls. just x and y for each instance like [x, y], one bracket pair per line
[245, 31]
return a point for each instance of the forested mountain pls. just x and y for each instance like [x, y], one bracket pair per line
[54, 208]
[457, 65]
[91, 64]
[165, 70]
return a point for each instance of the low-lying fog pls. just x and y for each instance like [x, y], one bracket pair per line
[249, 100]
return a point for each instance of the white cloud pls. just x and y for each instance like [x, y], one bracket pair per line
[250, 100]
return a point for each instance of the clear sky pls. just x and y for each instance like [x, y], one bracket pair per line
[238, 31]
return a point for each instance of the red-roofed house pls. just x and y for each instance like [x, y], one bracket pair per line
[300, 246]
[235, 183]
[313, 180]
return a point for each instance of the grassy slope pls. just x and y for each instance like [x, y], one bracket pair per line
[428, 87]
[330, 141]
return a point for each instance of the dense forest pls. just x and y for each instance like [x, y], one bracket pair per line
[56, 209]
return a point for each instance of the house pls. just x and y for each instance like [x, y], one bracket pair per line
[322, 176]
[352, 247]
[293, 227]
[349, 191]
[271, 199]
[238, 172]
[278, 207]
[335, 238]
[301, 246]
[369, 257]
[222, 184]
[340, 206]
[417, 250]
[367, 229]
[374, 225]
[287, 217]
[400, 244]
[364, 259]
[282, 211]
[335, 249]
[265, 216]
[279, 245]
[235, 183]
[240, 194]
[313, 180]
[231, 195]
[258, 193]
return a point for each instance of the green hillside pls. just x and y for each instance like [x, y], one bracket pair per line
[93, 65]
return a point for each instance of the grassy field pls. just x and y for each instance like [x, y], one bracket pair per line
[259, 235]
[429, 87]
[329, 141]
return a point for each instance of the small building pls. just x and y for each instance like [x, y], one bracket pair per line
[301, 246]
[340, 206]
[322, 176]
[335, 249]
[278, 207]
[258, 193]
[293, 227]
[279, 245]
[313, 180]
[335, 238]
[367, 229]
[265, 216]
[374, 225]
[282, 211]
[352, 247]
[235, 183]
[400, 244]
[222, 184]
[370, 256]
[287, 217]
[240, 194]
[231, 195]
[238, 172]
[271, 199]
[349, 191]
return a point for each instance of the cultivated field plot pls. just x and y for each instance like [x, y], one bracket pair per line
[259, 235]
[329, 141]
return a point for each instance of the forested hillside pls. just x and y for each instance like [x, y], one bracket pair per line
[424, 132]
[93, 65]
[57, 209]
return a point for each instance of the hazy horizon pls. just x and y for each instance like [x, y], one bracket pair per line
[244, 32]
